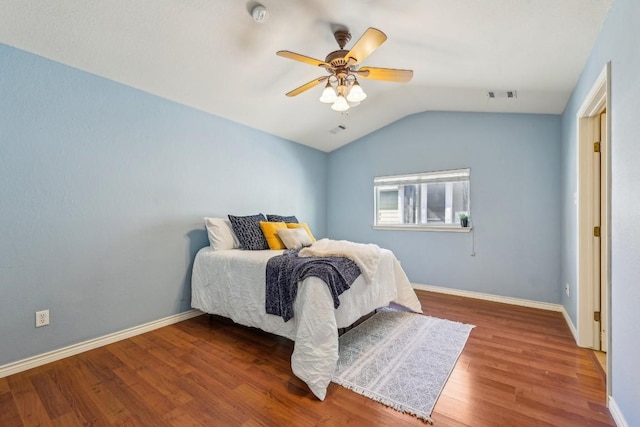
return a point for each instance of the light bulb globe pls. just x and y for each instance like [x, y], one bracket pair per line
[340, 104]
[356, 94]
[328, 95]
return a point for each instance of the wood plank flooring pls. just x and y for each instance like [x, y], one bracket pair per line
[520, 367]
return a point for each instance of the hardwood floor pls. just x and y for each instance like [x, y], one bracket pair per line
[602, 359]
[520, 367]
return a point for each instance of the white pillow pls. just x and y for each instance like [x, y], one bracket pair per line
[221, 235]
[294, 238]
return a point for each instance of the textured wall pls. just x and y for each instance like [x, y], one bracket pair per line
[103, 189]
[515, 197]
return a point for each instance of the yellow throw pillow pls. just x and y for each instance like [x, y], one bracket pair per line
[270, 231]
[302, 225]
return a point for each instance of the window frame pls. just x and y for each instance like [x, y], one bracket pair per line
[391, 181]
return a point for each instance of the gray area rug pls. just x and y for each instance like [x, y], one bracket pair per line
[401, 359]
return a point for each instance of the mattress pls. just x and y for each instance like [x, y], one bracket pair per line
[231, 283]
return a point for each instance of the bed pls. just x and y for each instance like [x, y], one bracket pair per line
[231, 283]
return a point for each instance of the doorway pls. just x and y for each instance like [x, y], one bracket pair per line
[593, 213]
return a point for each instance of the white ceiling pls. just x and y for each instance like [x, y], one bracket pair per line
[212, 55]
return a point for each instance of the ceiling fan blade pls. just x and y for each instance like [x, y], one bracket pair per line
[387, 74]
[307, 86]
[302, 58]
[370, 41]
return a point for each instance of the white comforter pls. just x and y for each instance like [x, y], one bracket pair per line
[232, 284]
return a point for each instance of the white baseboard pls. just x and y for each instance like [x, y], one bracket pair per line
[490, 297]
[52, 356]
[616, 414]
[572, 327]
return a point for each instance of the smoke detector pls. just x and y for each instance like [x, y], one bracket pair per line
[259, 13]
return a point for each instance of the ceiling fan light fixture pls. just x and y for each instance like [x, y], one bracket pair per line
[340, 104]
[342, 90]
[356, 94]
[329, 95]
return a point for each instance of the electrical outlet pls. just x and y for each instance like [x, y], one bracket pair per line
[42, 318]
[566, 288]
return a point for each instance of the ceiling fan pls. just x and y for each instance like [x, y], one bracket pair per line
[344, 69]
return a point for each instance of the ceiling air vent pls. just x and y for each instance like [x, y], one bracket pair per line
[504, 94]
[337, 129]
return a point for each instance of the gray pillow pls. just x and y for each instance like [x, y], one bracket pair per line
[248, 231]
[279, 218]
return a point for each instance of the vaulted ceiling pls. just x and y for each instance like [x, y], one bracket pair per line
[212, 55]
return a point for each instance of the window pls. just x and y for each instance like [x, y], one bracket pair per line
[422, 200]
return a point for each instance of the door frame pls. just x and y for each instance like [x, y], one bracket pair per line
[597, 101]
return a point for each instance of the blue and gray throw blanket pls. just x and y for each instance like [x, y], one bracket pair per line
[286, 270]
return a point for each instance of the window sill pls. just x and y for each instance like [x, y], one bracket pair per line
[444, 228]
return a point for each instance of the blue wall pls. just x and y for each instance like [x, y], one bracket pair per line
[515, 199]
[103, 189]
[617, 43]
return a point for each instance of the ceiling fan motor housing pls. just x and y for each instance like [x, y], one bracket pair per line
[337, 58]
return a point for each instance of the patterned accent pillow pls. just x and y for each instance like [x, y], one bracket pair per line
[280, 218]
[248, 231]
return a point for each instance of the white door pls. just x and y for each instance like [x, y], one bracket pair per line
[600, 237]
[604, 238]
[597, 229]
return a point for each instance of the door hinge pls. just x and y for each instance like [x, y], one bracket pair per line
[596, 316]
[596, 231]
[596, 147]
